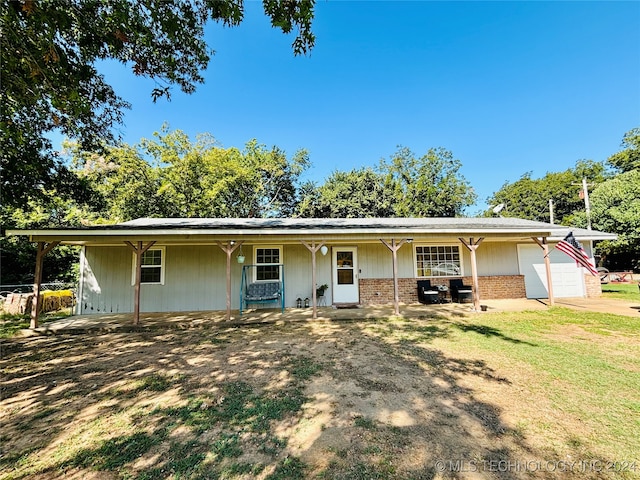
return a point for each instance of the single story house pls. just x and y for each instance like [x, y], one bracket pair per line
[189, 264]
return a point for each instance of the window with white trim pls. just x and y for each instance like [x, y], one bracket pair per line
[267, 260]
[438, 261]
[152, 269]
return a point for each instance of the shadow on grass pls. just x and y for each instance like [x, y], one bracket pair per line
[204, 438]
[488, 331]
[229, 404]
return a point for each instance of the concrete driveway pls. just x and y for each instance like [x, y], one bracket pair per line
[603, 305]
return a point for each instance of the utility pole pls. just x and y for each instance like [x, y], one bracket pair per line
[551, 211]
[587, 207]
[584, 193]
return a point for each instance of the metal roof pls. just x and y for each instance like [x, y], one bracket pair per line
[433, 223]
[199, 227]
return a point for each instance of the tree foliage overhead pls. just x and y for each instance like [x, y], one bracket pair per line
[191, 179]
[529, 198]
[50, 81]
[614, 200]
[427, 186]
[405, 186]
[615, 208]
[359, 193]
[629, 158]
[49, 210]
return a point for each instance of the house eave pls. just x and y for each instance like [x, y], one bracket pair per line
[294, 230]
[204, 236]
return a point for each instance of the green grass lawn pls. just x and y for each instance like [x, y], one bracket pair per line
[587, 365]
[10, 324]
[624, 291]
[379, 398]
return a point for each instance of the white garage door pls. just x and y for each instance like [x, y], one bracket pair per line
[567, 278]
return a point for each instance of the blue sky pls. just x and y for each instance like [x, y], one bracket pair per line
[508, 87]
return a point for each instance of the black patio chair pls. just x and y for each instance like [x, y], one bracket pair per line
[427, 293]
[460, 292]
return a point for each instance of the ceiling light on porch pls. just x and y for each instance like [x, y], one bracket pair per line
[324, 249]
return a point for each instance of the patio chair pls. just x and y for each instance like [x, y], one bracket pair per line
[427, 293]
[460, 292]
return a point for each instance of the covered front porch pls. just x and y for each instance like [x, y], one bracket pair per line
[123, 322]
[183, 265]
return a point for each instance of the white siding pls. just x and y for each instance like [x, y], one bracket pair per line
[195, 279]
[107, 280]
[376, 261]
[297, 264]
[195, 275]
[495, 259]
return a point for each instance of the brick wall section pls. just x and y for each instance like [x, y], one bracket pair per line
[377, 291]
[502, 286]
[594, 287]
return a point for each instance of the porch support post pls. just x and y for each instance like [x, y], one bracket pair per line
[542, 243]
[42, 249]
[229, 248]
[394, 247]
[313, 248]
[139, 248]
[472, 246]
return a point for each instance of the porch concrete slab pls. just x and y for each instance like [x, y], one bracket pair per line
[123, 322]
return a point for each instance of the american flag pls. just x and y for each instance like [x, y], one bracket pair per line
[571, 247]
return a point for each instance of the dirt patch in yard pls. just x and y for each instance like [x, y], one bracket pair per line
[362, 399]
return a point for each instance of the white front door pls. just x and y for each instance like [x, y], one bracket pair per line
[345, 275]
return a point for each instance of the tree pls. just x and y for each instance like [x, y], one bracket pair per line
[359, 193]
[615, 208]
[428, 186]
[125, 186]
[529, 198]
[191, 179]
[274, 180]
[50, 210]
[629, 158]
[50, 81]
[203, 180]
[405, 186]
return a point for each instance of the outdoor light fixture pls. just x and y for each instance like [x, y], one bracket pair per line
[409, 240]
[324, 249]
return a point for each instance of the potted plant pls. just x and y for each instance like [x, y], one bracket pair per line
[240, 256]
[321, 289]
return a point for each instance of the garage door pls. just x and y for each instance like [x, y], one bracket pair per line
[567, 278]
